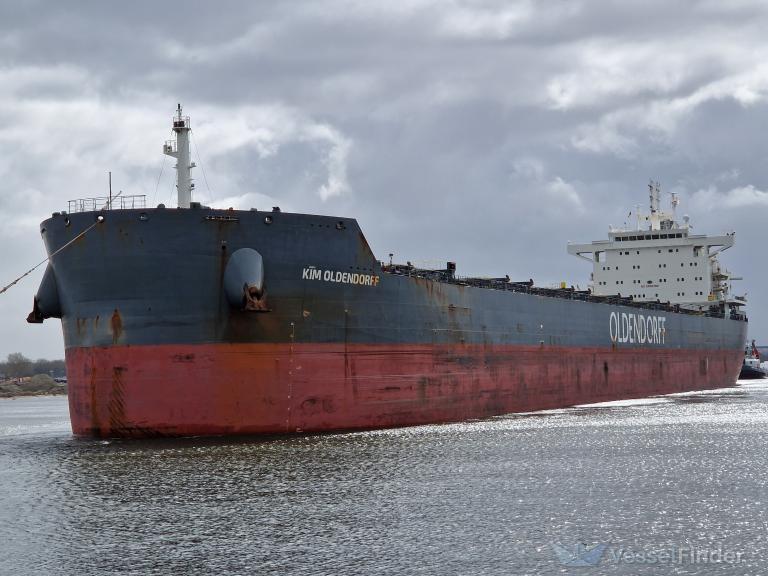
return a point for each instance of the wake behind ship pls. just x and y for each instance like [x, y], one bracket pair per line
[200, 321]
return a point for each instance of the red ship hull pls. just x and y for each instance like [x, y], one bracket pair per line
[218, 389]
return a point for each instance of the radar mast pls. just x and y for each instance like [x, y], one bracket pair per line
[179, 149]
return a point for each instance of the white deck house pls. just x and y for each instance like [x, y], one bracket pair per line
[660, 260]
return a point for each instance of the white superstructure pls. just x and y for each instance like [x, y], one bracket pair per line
[179, 149]
[660, 260]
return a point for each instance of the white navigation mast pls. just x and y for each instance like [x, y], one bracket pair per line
[179, 149]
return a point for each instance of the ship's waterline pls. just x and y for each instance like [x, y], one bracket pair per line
[163, 390]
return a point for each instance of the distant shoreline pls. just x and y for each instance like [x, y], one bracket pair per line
[31, 395]
[39, 385]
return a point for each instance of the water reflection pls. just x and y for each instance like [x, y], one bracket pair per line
[479, 497]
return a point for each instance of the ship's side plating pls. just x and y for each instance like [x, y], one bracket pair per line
[157, 341]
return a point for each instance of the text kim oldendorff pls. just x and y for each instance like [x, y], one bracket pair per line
[312, 273]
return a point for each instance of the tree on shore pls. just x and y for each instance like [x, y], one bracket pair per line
[17, 365]
[54, 368]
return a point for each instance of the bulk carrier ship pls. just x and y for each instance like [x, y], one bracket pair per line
[202, 321]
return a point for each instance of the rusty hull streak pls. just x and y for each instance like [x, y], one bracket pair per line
[117, 326]
[255, 300]
[95, 421]
[116, 405]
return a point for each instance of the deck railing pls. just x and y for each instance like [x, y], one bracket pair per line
[716, 310]
[117, 202]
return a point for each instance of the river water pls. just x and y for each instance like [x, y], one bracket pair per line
[672, 485]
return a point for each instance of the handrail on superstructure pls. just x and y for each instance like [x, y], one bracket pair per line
[117, 202]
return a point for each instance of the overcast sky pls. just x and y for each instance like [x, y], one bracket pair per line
[490, 132]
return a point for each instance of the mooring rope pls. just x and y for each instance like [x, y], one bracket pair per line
[36, 266]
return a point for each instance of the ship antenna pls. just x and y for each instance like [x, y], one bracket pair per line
[655, 192]
[675, 201]
[650, 194]
[179, 149]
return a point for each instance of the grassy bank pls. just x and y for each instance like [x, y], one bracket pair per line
[38, 385]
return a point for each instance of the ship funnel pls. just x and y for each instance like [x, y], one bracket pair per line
[179, 149]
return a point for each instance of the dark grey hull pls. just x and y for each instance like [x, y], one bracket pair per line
[162, 281]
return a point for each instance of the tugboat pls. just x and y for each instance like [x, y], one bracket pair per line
[751, 369]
